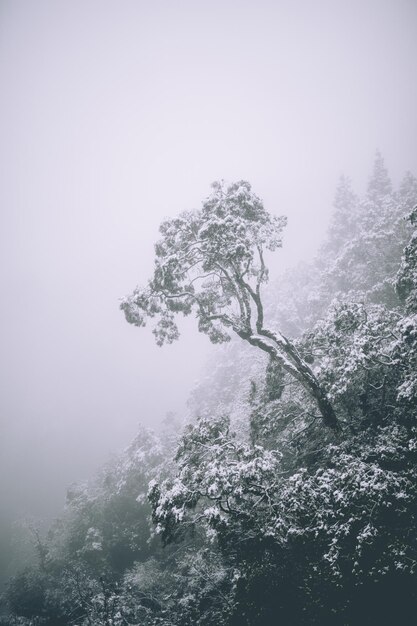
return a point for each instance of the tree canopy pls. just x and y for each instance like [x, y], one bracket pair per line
[211, 262]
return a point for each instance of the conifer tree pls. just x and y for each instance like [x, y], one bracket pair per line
[379, 184]
[344, 218]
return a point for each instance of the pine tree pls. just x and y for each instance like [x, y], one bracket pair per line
[379, 185]
[343, 223]
[407, 194]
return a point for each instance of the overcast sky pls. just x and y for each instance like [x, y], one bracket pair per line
[116, 114]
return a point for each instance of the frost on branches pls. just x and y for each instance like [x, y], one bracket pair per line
[211, 262]
[347, 520]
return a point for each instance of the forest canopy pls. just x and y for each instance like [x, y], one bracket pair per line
[256, 512]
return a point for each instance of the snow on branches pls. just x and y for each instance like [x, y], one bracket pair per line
[208, 261]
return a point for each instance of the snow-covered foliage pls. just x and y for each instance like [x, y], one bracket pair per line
[228, 477]
[256, 515]
[354, 347]
[201, 261]
[368, 257]
[211, 262]
[407, 273]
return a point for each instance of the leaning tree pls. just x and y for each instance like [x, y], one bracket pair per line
[210, 262]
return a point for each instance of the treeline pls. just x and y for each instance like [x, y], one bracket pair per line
[256, 514]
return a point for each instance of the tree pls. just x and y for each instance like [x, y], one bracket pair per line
[344, 220]
[379, 184]
[211, 262]
[312, 545]
[406, 283]
[367, 258]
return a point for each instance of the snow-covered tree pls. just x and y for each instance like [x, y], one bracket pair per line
[344, 220]
[379, 184]
[407, 291]
[368, 259]
[407, 274]
[212, 262]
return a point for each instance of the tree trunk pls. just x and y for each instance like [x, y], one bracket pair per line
[284, 351]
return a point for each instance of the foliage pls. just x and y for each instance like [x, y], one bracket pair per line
[212, 261]
[203, 262]
[105, 529]
[261, 516]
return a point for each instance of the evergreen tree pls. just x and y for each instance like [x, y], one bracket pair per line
[344, 221]
[379, 184]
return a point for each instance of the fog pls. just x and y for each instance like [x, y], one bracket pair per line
[114, 115]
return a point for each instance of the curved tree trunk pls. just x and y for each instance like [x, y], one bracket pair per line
[284, 351]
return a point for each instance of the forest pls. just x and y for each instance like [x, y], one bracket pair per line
[290, 496]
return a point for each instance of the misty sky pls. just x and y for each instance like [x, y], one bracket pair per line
[116, 114]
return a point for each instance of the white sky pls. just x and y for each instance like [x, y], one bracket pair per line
[116, 114]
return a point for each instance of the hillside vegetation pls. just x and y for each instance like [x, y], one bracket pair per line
[262, 510]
